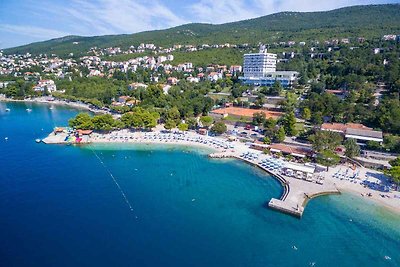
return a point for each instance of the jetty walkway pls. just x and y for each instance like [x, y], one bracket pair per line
[299, 186]
[296, 192]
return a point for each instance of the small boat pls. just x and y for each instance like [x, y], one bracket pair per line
[6, 138]
[38, 140]
[50, 107]
[28, 109]
[8, 110]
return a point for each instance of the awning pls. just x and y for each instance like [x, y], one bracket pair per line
[298, 155]
[302, 168]
[275, 150]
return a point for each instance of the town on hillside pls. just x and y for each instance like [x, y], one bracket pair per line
[321, 102]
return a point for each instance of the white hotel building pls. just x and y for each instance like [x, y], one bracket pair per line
[258, 64]
[260, 69]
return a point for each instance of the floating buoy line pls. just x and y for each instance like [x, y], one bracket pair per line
[115, 181]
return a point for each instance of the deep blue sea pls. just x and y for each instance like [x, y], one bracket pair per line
[60, 206]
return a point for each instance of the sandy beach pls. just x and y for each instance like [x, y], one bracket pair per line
[344, 183]
[389, 199]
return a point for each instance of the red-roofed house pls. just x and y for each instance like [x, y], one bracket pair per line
[356, 131]
[214, 76]
[172, 81]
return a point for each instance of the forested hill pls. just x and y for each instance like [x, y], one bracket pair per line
[366, 21]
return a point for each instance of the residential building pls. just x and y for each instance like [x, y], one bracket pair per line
[214, 76]
[45, 84]
[235, 69]
[339, 93]
[192, 79]
[389, 37]
[172, 81]
[123, 99]
[356, 131]
[134, 86]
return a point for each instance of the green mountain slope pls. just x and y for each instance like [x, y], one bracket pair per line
[367, 21]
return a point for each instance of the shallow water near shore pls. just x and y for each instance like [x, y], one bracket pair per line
[61, 206]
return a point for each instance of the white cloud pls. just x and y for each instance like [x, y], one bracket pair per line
[221, 11]
[118, 16]
[32, 31]
[53, 19]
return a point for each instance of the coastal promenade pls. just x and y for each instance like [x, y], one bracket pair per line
[296, 192]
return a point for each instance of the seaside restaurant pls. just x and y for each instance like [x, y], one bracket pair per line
[298, 171]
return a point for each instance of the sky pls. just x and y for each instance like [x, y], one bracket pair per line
[27, 21]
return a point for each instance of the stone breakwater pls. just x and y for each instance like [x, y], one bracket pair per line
[296, 193]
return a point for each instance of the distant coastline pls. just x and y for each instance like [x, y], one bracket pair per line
[45, 100]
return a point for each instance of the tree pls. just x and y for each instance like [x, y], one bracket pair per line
[192, 123]
[259, 118]
[306, 113]
[317, 87]
[260, 101]
[394, 173]
[173, 114]
[149, 120]
[328, 158]
[289, 124]
[395, 162]
[206, 121]
[169, 124]
[267, 140]
[270, 127]
[352, 148]
[289, 104]
[183, 126]
[118, 124]
[325, 141]
[218, 128]
[103, 122]
[238, 91]
[316, 118]
[374, 145]
[276, 89]
[280, 135]
[128, 119]
[82, 121]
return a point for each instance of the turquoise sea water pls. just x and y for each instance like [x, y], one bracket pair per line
[59, 206]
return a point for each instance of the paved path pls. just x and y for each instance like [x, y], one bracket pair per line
[296, 193]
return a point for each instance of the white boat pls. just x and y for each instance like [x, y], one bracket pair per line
[8, 110]
[28, 109]
[38, 140]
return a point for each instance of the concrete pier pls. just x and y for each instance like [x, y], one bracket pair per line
[296, 192]
[55, 138]
[59, 138]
